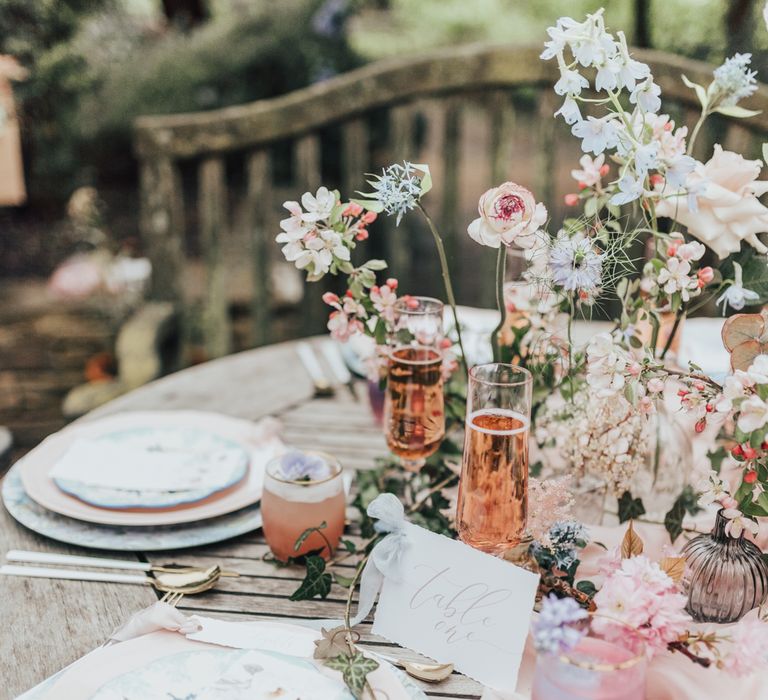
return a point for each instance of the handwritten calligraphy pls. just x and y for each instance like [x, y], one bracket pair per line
[462, 610]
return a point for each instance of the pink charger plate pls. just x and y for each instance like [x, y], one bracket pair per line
[257, 438]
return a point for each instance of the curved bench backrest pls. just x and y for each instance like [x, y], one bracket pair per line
[478, 114]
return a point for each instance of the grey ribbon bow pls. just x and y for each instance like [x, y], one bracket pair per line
[385, 557]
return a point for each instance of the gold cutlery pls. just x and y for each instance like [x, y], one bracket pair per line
[308, 358]
[429, 673]
[187, 583]
[18, 555]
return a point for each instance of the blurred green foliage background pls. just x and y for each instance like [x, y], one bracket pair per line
[95, 65]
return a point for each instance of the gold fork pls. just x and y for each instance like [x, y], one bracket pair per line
[173, 598]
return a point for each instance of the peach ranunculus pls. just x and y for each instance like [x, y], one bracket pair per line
[508, 214]
[728, 211]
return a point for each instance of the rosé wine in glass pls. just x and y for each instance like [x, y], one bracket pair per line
[414, 414]
[290, 506]
[493, 489]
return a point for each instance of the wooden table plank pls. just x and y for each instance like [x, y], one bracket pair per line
[47, 624]
[50, 623]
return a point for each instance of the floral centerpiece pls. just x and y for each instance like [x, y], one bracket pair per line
[641, 180]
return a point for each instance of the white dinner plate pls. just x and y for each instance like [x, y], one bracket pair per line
[221, 461]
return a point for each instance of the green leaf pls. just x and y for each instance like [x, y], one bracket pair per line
[690, 500]
[630, 508]
[346, 581]
[736, 111]
[354, 670]
[701, 93]
[426, 178]
[586, 587]
[317, 581]
[302, 538]
[349, 545]
[673, 520]
[380, 332]
[615, 211]
[754, 269]
[370, 204]
[376, 264]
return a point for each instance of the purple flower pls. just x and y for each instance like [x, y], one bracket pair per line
[555, 629]
[298, 466]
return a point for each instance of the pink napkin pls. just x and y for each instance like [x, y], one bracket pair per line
[159, 616]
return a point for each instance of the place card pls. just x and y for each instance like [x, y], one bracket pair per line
[458, 605]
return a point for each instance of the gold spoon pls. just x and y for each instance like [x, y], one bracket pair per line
[187, 582]
[429, 673]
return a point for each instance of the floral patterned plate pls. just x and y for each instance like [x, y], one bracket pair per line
[204, 451]
[250, 660]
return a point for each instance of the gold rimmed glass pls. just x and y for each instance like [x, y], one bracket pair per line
[608, 663]
[290, 507]
[414, 414]
[493, 491]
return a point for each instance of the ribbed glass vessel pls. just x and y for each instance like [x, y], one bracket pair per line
[725, 576]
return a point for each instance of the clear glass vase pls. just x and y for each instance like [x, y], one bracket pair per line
[667, 466]
[725, 576]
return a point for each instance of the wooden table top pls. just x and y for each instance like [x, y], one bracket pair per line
[47, 624]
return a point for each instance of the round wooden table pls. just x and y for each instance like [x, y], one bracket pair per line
[47, 624]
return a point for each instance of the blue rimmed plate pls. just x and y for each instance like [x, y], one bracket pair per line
[222, 462]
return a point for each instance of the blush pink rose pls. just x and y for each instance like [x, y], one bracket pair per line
[508, 214]
[728, 209]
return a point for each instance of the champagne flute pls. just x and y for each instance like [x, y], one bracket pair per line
[414, 412]
[493, 490]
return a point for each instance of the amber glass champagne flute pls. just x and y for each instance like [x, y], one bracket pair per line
[414, 412]
[493, 490]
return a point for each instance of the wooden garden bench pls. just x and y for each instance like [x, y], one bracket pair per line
[212, 183]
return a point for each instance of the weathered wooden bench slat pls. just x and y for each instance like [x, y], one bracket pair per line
[212, 212]
[258, 203]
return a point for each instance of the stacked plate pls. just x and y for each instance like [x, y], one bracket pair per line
[144, 481]
[240, 661]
